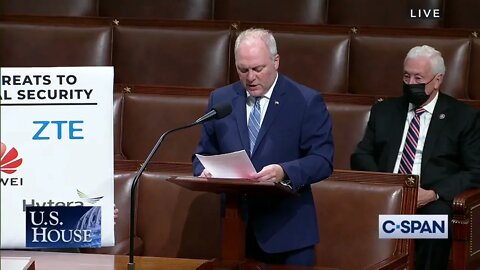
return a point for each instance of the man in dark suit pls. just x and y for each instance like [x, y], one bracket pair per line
[286, 129]
[444, 150]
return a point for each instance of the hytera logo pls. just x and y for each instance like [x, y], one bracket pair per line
[413, 226]
[9, 159]
[49, 203]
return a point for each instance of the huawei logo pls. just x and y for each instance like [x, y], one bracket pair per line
[9, 159]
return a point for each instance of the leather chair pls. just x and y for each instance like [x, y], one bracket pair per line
[176, 222]
[474, 79]
[376, 63]
[168, 56]
[349, 122]
[348, 206]
[154, 9]
[117, 125]
[466, 236]
[170, 221]
[284, 11]
[318, 61]
[147, 115]
[124, 174]
[36, 44]
[49, 7]
[462, 13]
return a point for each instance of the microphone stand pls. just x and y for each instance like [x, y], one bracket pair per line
[133, 190]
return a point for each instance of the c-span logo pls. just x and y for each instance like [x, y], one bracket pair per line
[9, 159]
[413, 226]
[63, 227]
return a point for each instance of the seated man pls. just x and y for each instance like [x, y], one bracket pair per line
[426, 133]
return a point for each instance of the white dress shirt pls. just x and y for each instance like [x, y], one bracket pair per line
[263, 102]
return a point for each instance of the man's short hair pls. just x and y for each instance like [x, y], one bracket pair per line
[435, 57]
[258, 33]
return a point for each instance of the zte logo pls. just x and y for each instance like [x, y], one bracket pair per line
[413, 226]
[9, 160]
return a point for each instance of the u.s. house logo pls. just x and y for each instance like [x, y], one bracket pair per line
[64, 225]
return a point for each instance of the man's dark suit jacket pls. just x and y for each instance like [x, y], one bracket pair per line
[296, 134]
[451, 154]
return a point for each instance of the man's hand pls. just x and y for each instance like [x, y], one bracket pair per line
[270, 173]
[425, 197]
[205, 173]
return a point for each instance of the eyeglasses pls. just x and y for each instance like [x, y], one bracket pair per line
[407, 77]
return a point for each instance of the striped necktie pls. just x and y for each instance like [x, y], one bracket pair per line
[254, 123]
[410, 148]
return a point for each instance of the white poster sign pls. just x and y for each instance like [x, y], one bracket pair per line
[56, 149]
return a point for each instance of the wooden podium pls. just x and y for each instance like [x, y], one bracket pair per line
[233, 238]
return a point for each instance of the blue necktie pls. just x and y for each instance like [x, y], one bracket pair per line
[410, 148]
[254, 123]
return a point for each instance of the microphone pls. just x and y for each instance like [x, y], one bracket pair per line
[218, 111]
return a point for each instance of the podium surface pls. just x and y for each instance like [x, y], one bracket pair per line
[228, 185]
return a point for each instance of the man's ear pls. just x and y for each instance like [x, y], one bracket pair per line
[276, 61]
[438, 80]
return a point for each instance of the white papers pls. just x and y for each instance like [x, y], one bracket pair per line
[16, 263]
[230, 165]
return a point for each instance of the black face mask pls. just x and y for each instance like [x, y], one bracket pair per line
[415, 93]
